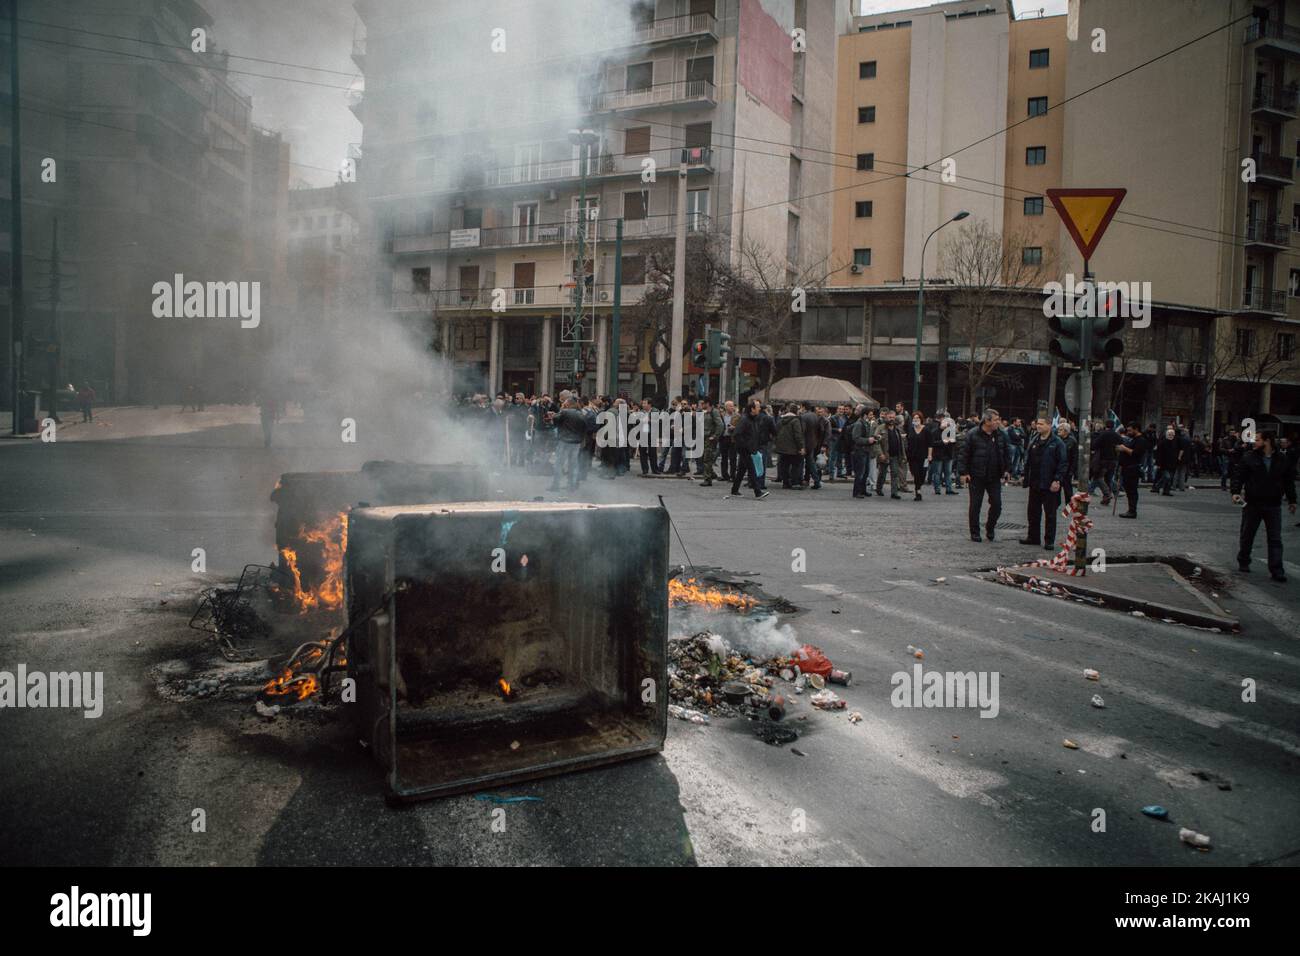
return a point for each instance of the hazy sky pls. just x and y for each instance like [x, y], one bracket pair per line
[318, 33]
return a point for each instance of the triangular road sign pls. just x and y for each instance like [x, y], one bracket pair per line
[1086, 214]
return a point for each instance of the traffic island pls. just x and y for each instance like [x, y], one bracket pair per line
[1153, 588]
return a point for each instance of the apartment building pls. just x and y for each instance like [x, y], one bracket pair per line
[479, 191]
[156, 167]
[325, 270]
[916, 86]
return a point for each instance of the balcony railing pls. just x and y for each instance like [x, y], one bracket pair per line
[1263, 232]
[606, 164]
[546, 233]
[1269, 166]
[672, 28]
[1275, 99]
[659, 94]
[1259, 299]
[1272, 30]
[550, 296]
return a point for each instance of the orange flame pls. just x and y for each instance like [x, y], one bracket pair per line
[332, 539]
[298, 681]
[688, 592]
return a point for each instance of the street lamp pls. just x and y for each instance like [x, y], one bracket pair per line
[920, 313]
[581, 138]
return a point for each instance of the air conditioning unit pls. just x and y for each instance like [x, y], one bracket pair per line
[855, 269]
[604, 296]
[552, 195]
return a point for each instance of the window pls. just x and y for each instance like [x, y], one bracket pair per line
[634, 206]
[1038, 59]
[1293, 287]
[796, 179]
[336, 243]
[1036, 156]
[636, 141]
[862, 209]
[699, 135]
[1295, 213]
[862, 257]
[634, 270]
[420, 280]
[640, 76]
[1285, 346]
[699, 69]
[791, 238]
[1033, 205]
[338, 219]
[866, 161]
[867, 70]
[828, 326]
[472, 219]
[866, 114]
[1245, 343]
[702, 6]
[1037, 105]
[1032, 255]
[697, 209]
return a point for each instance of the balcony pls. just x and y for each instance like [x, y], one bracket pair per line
[1277, 101]
[1264, 301]
[604, 166]
[1260, 232]
[356, 100]
[678, 94]
[541, 297]
[1271, 35]
[1279, 170]
[503, 237]
[690, 26]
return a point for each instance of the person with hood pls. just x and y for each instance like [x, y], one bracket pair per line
[1261, 480]
[789, 446]
[745, 438]
[917, 452]
[1046, 472]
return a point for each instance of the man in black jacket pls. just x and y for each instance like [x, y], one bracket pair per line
[1046, 470]
[982, 463]
[1132, 453]
[1262, 478]
[862, 435]
[747, 438]
[571, 432]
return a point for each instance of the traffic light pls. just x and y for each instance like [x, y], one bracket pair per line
[700, 354]
[1067, 342]
[719, 348]
[1106, 340]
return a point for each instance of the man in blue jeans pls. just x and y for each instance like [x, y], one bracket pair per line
[943, 442]
[570, 433]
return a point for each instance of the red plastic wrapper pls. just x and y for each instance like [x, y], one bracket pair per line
[812, 661]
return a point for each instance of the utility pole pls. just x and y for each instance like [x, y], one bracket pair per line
[16, 217]
[1085, 376]
[678, 337]
[56, 324]
[616, 331]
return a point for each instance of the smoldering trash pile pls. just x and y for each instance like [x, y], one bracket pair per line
[708, 678]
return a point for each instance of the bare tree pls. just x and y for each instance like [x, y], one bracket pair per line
[1259, 360]
[708, 274]
[986, 304]
[762, 296]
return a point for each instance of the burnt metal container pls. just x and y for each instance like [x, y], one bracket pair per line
[496, 642]
[310, 506]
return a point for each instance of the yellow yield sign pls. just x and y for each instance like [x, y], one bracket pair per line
[1086, 214]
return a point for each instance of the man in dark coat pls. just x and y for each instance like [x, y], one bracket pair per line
[1169, 453]
[789, 445]
[982, 462]
[815, 430]
[1132, 453]
[1046, 469]
[746, 438]
[1262, 478]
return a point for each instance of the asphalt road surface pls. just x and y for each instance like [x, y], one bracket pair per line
[95, 574]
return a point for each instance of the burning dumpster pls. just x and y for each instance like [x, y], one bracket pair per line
[311, 517]
[497, 642]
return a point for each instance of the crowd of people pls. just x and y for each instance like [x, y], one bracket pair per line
[808, 444]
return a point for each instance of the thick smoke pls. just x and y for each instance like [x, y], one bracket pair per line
[759, 636]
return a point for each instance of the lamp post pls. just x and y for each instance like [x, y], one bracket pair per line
[920, 313]
[581, 138]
